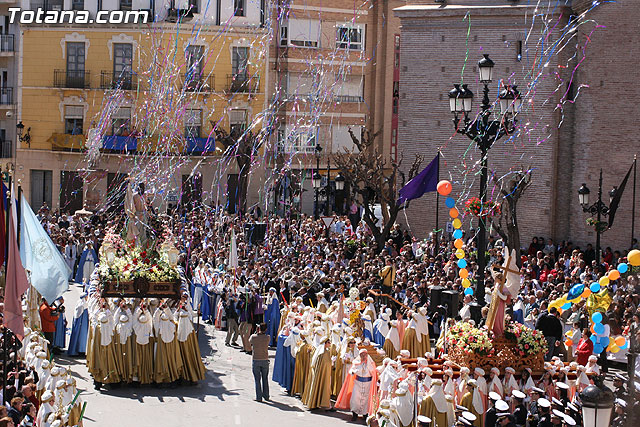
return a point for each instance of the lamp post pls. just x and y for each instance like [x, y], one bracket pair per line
[316, 180]
[27, 137]
[339, 180]
[599, 209]
[327, 207]
[597, 404]
[484, 132]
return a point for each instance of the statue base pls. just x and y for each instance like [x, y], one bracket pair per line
[505, 354]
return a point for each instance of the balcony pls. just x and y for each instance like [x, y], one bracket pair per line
[124, 81]
[71, 79]
[67, 142]
[119, 143]
[6, 96]
[194, 82]
[7, 46]
[349, 98]
[201, 146]
[6, 151]
[241, 83]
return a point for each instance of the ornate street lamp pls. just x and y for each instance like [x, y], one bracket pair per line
[484, 132]
[24, 138]
[339, 180]
[597, 404]
[583, 194]
[599, 209]
[316, 181]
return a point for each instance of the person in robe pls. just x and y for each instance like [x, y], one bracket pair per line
[60, 334]
[123, 343]
[168, 363]
[495, 384]
[481, 383]
[546, 383]
[367, 330]
[104, 366]
[43, 377]
[499, 301]
[435, 405]
[385, 416]
[381, 328]
[582, 381]
[319, 395]
[46, 408]
[286, 362]
[87, 264]
[302, 369]
[143, 345]
[584, 349]
[272, 316]
[197, 283]
[402, 405]
[193, 368]
[76, 409]
[449, 383]
[79, 328]
[323, 304]
[461, 384]
[359, 392]
[473, 401]
[411, 341]
[70, 255]
[422, 329]
[525, 384]
[136, 210]
[388, 376]
[344, 360]
[391, 345]
[509, 382]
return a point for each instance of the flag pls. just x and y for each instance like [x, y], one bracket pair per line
[16, 285]
[233, 251]
[616, 198]
[3, 231]
[49, 272]
[425, 182]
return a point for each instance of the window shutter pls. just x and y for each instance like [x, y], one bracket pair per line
[73, 112]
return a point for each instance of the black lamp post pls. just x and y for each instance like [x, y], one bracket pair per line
[327, 207]
[599, 209]
[27, 137]
[316, 180]
[484, 132]
[597, 404]
[339, 180]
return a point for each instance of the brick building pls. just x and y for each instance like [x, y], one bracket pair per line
[565, 142]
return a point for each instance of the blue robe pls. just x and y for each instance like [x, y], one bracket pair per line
[205, 307]
[60, 335]
[79, 333]
[284, 365]
[378, 338]
[272, 319]
[93, 257]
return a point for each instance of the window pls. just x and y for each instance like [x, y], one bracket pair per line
[349, 37]
[126, 4]
[40, 188]
[299, 139]
[5, 149]
[237, 121]
[519, 50]
[240, 60]
[194, 60]
[121, 122]
[283, 35]
[299, 84]
[122, 56]
[238, 7]
[75, 64]
[73, 115]
[304, 32]
[341, 140]
[351, 89]
[192, 123]
[77, 5]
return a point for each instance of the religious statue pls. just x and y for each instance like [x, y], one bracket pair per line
[136, 209]
[353, 308]
[506, 287]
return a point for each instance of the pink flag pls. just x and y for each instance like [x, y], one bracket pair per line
[17, 284]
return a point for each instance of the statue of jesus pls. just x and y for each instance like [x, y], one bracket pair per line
[136, 210]
[507, 286]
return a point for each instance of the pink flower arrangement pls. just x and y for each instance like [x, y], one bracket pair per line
[529, 341]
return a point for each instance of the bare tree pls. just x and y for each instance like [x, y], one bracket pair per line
[375, 180]
[511, 190]
[242, 146]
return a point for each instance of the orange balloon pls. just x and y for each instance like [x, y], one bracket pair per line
[444, 187]
[592, 331]
[586, 292]
[453, 213]
[614, 275]
[463, 273]
[458, 243]
[620, 341]
[568, 343]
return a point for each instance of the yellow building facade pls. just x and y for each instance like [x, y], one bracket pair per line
[98, 103]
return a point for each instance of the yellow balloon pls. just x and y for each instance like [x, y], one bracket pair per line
[615, 349]
[575, 300]
[604, 281]
[460, 254]
[466, 283]
[599, 301]
[457, 223]
[634, 257]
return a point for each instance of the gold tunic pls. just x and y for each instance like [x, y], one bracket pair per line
[194, 369]
[320, 390]
[467, 402]
[143, 365]
[168, 364]
[428, 409]
[301, 369]
[411, 343]
[390, 350]
[124, 357]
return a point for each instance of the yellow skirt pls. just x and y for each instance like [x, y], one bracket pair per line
[193, 368]
[143, 366]
[301, 370]
[124, 357]
[411, 343]
[390, 350]
[168, 364]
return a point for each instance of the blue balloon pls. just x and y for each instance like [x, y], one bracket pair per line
[575, 291]
[457, 234]
[450, 202]
[595, 287]
[603, 341]
[597, 317]
[625, 346]
[599, 328]
[567, 306]
[623, 268]
[594, 339]
[462, 263]
[597, 349]
[468, 291]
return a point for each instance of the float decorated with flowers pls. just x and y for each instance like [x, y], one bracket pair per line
[519, 348]
[132, 271]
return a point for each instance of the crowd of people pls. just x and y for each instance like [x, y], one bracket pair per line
[296, 278]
